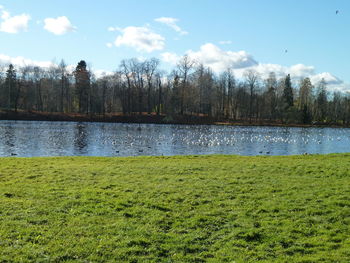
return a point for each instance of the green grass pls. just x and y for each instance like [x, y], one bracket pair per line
[175, 209]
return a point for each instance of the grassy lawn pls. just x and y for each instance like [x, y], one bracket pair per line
[175, 209]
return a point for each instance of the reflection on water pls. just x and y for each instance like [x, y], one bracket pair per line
[9, 139]
[80, 139]
[37, 138]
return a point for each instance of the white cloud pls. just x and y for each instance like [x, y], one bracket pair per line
[22, 62]
[327, 77]
[109, 45]
[343, 87]
[141, 58]
[296, 71]
[219, 60]
[171, 22]
[13, 24]
[333, 83]
[225, 42]
[5, 15]
[170, 58]
[112, 29]
[19, 62]
[99, 73]
[140, 38]
[265, 69]
[300, 70]
[58, 26]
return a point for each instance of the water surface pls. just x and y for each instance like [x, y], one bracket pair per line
[40, 138]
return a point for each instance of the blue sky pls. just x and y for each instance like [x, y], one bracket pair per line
[241, 34]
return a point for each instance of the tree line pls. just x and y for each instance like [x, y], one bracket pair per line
[191, 89]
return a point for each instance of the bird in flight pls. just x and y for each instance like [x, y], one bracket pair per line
[286, 51]
[337, 12]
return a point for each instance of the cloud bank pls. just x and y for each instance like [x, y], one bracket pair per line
[22, 62]
[220, 60]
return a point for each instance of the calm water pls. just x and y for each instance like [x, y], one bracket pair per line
[24, 138]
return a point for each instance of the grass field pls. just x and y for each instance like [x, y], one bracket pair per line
[175, 209]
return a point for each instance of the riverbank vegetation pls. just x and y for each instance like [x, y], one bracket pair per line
[175, 209]
[191, 91]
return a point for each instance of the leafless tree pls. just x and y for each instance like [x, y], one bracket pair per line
[251, 78]
[184, 67]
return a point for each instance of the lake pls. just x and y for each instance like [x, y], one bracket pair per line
[40, 138]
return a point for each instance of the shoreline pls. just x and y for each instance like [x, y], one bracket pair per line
[149, 119]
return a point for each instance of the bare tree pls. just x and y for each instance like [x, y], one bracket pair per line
[126, 70]
[185, 66]
[139, 86]
[271, 95]
[150, 67]
[252, 78]
[63, 72]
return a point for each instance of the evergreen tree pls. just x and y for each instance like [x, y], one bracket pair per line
[10, 86]
[82, 86]
[288, 92]
[321, 101]
[271, 95]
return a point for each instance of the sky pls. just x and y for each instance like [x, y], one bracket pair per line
[302, 38]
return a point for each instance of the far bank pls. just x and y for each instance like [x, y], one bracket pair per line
[151, 119]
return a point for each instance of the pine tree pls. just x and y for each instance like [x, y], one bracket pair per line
[288, 92]
[10, 86]
[82, 86]
[321, 101]
[271, 95]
